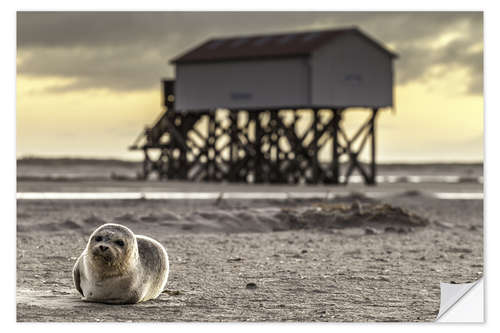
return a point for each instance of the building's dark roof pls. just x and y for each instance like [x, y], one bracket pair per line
[266, 46]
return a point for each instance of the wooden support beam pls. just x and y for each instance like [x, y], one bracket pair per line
[258, 147]
[233, 146]
[373, 163]
[210, 145]
[335, 145]
[314, 148]
[275, 147]
[146, 165]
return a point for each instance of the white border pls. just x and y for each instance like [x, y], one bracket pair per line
[492, 152]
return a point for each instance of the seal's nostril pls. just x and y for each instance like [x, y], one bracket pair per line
[103, 248]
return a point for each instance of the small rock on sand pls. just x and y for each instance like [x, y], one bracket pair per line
[149, 218]
[251, 285]
[172, 292]
[459, 250]
[234, 259]
[444, 225]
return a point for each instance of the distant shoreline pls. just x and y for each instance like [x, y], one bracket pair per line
[44, 161]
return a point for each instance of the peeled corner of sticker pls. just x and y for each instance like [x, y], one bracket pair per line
[462, 302]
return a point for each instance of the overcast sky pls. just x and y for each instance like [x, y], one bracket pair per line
[128, 52]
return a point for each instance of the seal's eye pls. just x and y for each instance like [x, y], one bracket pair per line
[98, 238]
[119, 243]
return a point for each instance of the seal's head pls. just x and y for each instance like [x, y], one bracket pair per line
[112, 245]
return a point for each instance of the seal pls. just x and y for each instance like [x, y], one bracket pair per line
[118, 267]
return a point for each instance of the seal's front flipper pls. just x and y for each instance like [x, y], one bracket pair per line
[76, 277]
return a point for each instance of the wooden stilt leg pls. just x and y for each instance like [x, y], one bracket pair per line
[373, 163]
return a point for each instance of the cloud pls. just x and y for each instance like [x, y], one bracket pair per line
[117, 68]
[130, 51]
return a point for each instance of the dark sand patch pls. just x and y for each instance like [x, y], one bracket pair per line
[355, 211]
[129, 217]
[94, 220]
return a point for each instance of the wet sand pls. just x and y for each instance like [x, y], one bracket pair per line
[259, 260]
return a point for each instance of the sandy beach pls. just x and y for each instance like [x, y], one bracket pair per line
[349, 258]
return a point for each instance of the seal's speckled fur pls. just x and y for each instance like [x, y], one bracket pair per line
[118, 267]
